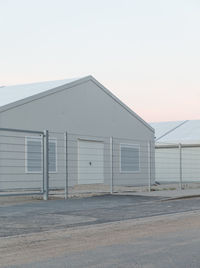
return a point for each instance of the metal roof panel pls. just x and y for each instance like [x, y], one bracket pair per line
[189, 132]
[10, 94]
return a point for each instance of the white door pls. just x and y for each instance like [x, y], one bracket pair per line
[90, 162]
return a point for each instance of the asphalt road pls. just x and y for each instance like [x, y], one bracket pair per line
[104, 231]
[41, 216]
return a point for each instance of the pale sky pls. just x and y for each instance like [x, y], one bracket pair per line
[147, 52]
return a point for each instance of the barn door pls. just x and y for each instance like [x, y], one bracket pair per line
[90, 162]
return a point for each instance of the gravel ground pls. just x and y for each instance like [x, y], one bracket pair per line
[161, 241]
[100, 231]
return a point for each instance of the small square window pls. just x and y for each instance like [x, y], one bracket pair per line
[52, 156]
[130, 158]
[33, 155]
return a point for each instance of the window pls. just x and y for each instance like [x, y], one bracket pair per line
[34, 155]
[130, 158]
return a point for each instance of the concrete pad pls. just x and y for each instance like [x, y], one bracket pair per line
[186, 193]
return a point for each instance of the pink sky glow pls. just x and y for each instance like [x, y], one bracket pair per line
[146, 52]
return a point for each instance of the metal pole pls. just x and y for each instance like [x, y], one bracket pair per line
[46, 165]
[66, 167]
[111, 165]
[149, 166]
[180, 165]
[43, 164]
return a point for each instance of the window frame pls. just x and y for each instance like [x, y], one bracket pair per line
[27, 138]
[129, 145]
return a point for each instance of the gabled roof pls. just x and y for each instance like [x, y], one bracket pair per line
[187, 131]
[162, 129]
[13, 96]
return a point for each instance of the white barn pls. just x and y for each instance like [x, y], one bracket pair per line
[177, 153]
[90, 114]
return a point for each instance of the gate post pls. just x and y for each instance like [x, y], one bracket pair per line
[66, 166]
[149, 166]
[111, 165]
[180, 165]
[46, 164]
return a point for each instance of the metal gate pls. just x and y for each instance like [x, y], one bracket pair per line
[23, 162]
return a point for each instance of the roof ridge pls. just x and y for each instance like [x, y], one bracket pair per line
[171, 130]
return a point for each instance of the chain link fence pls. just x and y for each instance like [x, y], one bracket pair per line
[67, 164]
[177, 166]
[71, 165]
[88, 165]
